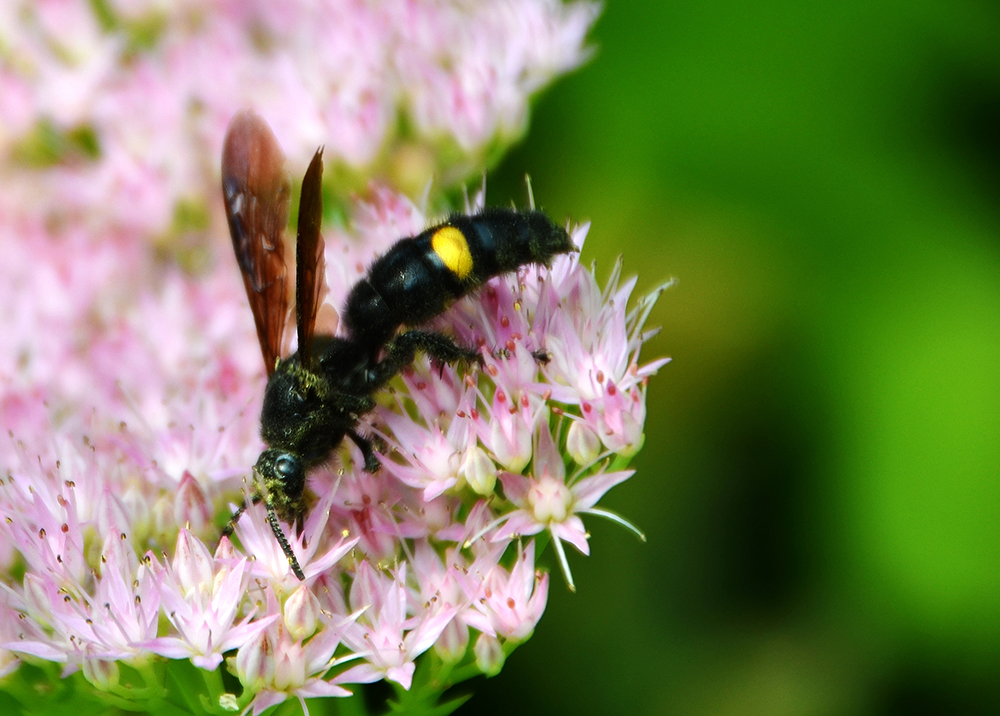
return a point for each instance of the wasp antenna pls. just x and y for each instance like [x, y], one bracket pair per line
[231, 525]
[531, 194]
[279, 534]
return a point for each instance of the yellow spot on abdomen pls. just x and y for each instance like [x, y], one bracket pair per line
[451, 247]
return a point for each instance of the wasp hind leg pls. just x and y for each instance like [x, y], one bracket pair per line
[401, 351]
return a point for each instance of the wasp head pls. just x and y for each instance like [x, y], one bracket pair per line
[281, 478]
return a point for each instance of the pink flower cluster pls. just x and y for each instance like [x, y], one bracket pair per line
[149, 88]
[108, 512]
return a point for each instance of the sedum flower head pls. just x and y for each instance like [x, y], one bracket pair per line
[110, 515]
[131, 384]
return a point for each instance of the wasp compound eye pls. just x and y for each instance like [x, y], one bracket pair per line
[288, 469]
[287, 466]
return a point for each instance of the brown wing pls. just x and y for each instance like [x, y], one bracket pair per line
[309, 261]
[256, 190]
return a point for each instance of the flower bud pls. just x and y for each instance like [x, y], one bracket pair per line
[161, 514]
[102, 674]
[510, 439]
[191, 507]
[111, 515]
[193, 564]
[582, 443]
[289, 665]
[255, 663]
[634, 437]
[229, 702]
[302, 610]
[225, 550]
[453, 642]
[137, 505]
[479, 471]
[489, 654]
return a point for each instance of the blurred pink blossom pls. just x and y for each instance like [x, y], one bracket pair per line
[113, 119]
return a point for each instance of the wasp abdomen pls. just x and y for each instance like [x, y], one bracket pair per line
[419, 277]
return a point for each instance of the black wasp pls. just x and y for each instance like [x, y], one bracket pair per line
[315, 397]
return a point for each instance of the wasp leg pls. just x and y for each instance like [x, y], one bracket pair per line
[356, 404]
[372, 463]
[403, 349]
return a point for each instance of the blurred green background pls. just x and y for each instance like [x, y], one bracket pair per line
[819, 486]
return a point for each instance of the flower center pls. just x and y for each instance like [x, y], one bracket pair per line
[550, 500]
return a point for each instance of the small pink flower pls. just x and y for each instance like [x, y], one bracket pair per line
[276, 664]
[461, 75]
[364, 505]
[510, 429]
[441, 590]
[111, 619]
[314, 553]
[385, 635]
[433, 459]
[508, 604]
[546, 501]
[202, 598]
[593, 344]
